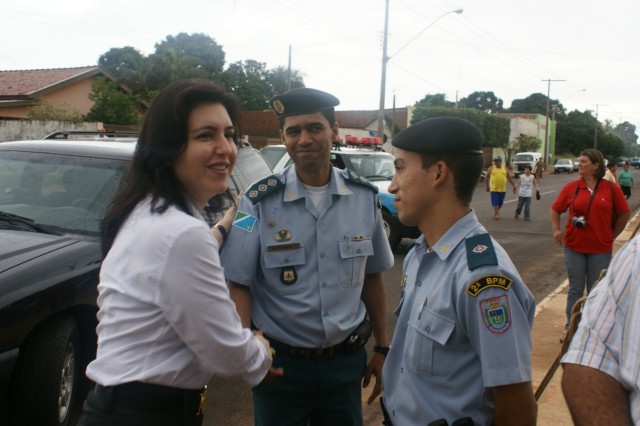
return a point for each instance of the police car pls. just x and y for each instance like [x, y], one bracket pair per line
[377, 167]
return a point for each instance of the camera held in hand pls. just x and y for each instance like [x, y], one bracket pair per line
[579, 221]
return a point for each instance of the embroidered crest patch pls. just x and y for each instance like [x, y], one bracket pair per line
[496, 314]
[487, 281]
[244, 221]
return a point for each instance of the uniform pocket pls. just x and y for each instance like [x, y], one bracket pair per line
[426, 340]
[287, 262]
[353, 258]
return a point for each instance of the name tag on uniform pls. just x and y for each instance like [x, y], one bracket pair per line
[283, 247]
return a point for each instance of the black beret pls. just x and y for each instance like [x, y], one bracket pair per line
[440, 135]
[302, 101]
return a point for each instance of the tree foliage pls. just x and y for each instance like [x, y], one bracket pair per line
[48, 111]
[437, 100]
[249, 81]
[535, 103]
[495, 130]
[526, 143]
[281, 81]
[111, 105]
[199, 56]
[484, 101]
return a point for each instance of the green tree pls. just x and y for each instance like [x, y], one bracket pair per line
[249, 81]
[184, 56]
[495, 130]
[111, 105]
[535, 103]
[526, 143]
[437, 100]
[575, 133]
[280, 80]
[48, 111]
[128, 65]
[484, 101]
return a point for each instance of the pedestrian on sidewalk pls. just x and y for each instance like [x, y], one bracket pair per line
[462, 344]
[496, 184]
[598, 212]
[525, 186]
[600, 381]
[625, 179]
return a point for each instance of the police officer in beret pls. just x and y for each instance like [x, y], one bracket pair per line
[304, 260]
[462, 343]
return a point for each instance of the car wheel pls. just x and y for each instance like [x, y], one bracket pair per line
[389, 229]
[47, 374]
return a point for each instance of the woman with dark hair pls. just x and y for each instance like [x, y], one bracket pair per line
[598, 213]
[166, 322]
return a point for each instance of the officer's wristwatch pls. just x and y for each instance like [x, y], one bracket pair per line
[384, 350]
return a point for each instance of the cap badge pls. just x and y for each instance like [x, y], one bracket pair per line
[278, 107]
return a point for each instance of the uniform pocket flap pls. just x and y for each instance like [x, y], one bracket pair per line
[355, 248]
[278, 259]
[435, 327]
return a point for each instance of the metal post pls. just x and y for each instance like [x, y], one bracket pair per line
[545, 150]
[383, 78]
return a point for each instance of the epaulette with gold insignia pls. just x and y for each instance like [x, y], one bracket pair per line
[264, 187]
[480, 251]
[352, 176]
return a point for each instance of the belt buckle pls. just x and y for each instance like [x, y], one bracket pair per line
[202, 401]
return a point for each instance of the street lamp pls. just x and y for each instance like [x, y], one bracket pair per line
[386, 58]
[546, 126]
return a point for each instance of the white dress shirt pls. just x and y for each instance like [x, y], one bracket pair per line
[608, 338]
[165, 314]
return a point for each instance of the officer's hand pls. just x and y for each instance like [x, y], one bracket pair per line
[375, 368]
[272, 374]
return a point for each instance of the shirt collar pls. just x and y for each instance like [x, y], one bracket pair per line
[294, 190]
[456, 234]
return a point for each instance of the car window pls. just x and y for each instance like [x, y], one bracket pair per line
[69, 193]
[272, 154]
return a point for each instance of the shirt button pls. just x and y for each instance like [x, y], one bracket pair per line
[401, 369]
[418, 283]
[322, 255]
[286, 261]
[358, 251]
[320, 225]
[428, 328]
[323, 284]
[325, 314]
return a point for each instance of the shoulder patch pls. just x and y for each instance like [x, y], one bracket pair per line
[487, 281]
[480, 251]
[352, 176]
[496, 314]
[264, 187]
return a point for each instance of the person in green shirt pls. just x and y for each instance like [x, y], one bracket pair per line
[625, 179]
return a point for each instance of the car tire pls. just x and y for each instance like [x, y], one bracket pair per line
[390, 230]
[47, 375]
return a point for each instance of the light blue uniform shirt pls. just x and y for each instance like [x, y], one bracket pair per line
[329, 250]
[459, 331]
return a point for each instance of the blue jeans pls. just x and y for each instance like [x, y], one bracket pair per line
[526, 202]
[582, 269]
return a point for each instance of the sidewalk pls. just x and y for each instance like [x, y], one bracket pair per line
[547, 327]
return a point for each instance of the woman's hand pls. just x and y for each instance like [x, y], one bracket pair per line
[559, 237]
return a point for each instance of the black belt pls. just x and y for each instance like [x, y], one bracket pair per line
[284, 349]
[146, 397]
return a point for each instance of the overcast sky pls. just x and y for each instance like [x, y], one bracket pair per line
[505, 46]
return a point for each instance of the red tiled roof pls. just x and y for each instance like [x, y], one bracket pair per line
[23, 83]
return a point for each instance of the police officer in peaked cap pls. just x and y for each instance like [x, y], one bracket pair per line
[461, 349]
[305, 259]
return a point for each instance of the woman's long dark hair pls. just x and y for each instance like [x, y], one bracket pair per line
[162, 140]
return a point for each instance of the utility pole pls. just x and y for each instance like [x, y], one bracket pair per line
[546, 128]
[289, 71]
[595, 128]
[383, 78]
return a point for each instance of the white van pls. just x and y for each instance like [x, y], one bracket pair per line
[523, 159]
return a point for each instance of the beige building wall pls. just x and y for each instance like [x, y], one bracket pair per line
[75, 95]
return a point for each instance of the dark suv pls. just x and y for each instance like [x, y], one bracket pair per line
[53, 195]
